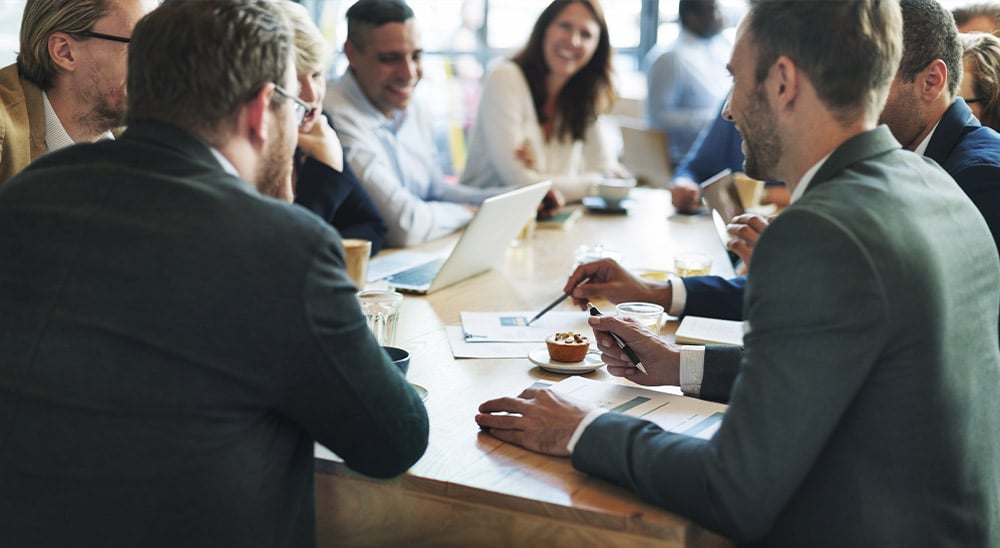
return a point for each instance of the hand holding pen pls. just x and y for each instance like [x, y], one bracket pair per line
[562, 298]
[594, 311]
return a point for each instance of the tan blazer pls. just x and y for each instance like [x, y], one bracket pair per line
[22, 123]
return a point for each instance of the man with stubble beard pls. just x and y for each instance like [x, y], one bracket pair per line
[174, 342]
[68, 84]
[862, 407]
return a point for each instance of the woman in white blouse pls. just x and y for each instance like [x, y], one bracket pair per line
[538, 113]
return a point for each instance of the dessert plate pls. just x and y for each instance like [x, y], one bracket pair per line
[540, 357]
[421, 391]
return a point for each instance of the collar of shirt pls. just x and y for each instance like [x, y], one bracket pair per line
[374, 116]
[800, 188]
[227, 166]
[56, 136]
[922, 147]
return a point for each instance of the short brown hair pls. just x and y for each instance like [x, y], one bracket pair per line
[193, 63]
[983, 51]
[588, 93]
[849, 49]
[43, 17]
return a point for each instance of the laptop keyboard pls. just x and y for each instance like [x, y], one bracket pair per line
[418, 275]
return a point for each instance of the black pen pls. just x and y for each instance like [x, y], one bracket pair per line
[557, 301]
[594, 311]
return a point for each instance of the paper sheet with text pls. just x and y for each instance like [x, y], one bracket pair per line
[680, 414]
[511, 326]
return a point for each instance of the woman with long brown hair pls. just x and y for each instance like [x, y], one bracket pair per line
[538, 113]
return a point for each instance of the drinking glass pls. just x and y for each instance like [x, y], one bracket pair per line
[381, 310]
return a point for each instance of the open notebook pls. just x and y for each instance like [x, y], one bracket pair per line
[480, 247]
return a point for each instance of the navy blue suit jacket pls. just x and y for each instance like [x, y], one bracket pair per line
[339, 199]
[970, 153]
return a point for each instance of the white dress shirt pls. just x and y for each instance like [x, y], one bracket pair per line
[56, 136]
[395, 159]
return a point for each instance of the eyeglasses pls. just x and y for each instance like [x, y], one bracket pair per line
[972, 100]
[113, 38]
[301, 107]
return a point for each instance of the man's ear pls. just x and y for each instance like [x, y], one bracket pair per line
[933, 80]
[783, 79]
[258, 123]
[352, 52]
[61, 49]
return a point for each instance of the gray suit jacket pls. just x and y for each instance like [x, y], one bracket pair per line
[865, 409]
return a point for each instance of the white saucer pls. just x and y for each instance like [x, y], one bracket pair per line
[421, 391]
[540, 357]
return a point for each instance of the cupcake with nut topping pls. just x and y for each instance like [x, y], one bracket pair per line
[567, 346]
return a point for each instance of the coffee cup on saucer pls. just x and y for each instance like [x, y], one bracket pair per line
[613, 191]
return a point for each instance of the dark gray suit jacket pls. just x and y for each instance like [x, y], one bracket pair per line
[171, 343]
[865, 409]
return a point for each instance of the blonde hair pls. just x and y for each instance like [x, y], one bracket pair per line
[983, 50]
[311, 49]
[41, 18]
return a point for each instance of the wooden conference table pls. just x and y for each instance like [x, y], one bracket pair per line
[470, 489]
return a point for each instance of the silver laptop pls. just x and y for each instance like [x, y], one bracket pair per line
[644, 155]
[721, 195]
[723, 201]
[480, 247]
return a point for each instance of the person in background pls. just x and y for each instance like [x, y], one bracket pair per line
[388, 137]
[322, 182]
[980, 88]
[538, 115]
[175, 341]
[871, 359]
[687, 82]
[923, 112]
[718, 147]
[68, 84]
[978, 17]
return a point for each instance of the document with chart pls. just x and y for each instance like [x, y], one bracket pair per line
[680, 414]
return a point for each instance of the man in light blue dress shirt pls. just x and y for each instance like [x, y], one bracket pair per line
[387, 137]
[687, 82]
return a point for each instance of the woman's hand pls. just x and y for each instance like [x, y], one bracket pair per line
[526, 155]
[323, 144]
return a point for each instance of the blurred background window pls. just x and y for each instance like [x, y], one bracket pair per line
[462, 37]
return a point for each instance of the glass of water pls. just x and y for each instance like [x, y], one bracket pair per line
[381, 310]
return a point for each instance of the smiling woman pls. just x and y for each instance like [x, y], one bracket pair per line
[538, 112]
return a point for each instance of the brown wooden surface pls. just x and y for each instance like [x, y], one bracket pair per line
[469, 489]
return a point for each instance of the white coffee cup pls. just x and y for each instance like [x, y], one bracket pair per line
[615, 190]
